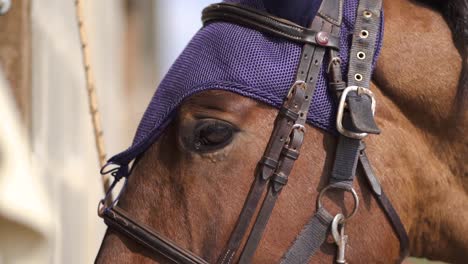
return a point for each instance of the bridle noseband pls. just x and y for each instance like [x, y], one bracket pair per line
[355, 120]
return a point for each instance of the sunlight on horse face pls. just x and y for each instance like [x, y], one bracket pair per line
[191, 184]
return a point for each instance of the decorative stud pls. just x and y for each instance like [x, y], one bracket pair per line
[322, 38]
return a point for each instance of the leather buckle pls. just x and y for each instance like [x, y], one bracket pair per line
[342, 105]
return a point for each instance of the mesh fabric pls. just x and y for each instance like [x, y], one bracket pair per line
[230, 57]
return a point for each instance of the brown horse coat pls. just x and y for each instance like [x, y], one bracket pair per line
[420, 158]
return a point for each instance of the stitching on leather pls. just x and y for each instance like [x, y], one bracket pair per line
[278, 31]
[289, 25]
[282, 23]
[225, 255]
[269, 17]
[282, 32]
[230, 258]
[332, 20]
[262, 23]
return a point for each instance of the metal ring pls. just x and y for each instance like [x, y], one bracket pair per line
[367, 14]
[341, 187]
[358, 77]
[298, 127]
[361, 55]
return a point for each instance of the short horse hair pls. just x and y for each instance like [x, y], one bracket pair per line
[455, 13]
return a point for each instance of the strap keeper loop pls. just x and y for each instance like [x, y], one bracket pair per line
[269, 162]
[337, 87]
[280, 178]
[290, 153]
[289, 114]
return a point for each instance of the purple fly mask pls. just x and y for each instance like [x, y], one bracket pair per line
[233, 58]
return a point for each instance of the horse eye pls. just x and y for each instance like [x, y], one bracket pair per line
[212, 134]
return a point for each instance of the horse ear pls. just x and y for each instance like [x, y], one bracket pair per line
[301, 12]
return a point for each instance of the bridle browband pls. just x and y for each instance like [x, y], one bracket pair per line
[355, 119]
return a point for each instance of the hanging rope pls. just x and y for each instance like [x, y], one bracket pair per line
[92, 98]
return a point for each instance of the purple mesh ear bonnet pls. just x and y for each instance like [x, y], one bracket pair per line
[229, 57]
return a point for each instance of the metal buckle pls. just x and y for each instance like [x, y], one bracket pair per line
[341, 107]
[298, 127]
[300, 84]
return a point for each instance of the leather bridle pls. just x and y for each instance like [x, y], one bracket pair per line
[355, 119]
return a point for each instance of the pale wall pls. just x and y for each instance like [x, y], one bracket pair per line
[63, 152]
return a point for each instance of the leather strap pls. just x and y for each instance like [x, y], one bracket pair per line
[314, 233]
[386, 205]
[279, 179]
[309, 68]
[397, 225]
[288, 133]
[265, 169]
[264, 22]
[359, 119]
[290, 114]
[115, 218]
[360, 114]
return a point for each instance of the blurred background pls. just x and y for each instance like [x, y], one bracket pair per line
[49, 180]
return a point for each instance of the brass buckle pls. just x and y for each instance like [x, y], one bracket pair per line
[342, 105]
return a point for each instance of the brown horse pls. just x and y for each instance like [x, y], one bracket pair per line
[195, 197]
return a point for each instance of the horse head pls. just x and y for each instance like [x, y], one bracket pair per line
[199, 144]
